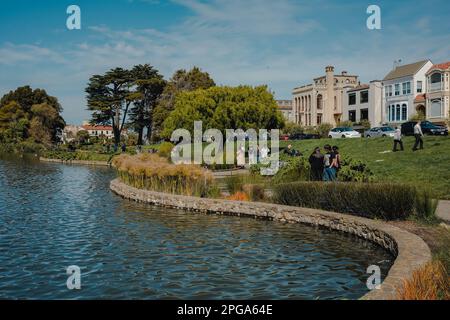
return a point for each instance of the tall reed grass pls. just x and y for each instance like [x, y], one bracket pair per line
[431, 282]
[152, 172]
[387, 201]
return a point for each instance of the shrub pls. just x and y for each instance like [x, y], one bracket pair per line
[347, 123]
[386, 201]
[151, 172]
[291, 128]
[234, 184]
[257, 192]
[165, 149]
[296, 169]
[430, 282]
[354, 170]
[239, 196]
[323, 129]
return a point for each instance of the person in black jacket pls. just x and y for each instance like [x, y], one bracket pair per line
[317, 164]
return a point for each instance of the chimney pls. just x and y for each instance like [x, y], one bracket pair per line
[328, 113]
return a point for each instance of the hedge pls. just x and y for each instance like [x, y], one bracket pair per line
[388, 201]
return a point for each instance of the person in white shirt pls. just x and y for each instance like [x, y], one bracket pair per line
[398, 139]
[418, 134]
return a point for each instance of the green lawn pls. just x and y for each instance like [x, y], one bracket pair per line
[428, 167]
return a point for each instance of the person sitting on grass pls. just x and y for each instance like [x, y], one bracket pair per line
[292, 152]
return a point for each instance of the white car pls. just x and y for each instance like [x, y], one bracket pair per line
[343, 132]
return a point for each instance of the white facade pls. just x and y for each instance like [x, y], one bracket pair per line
[322, 101]
[364, 103]
[438, 93]
[285, 107]
[400, 90]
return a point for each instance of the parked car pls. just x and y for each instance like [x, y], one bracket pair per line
[343, 132]
[303, 136]
[379, 132]
[427, 128]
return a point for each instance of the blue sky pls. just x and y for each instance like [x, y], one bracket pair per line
[283, 43]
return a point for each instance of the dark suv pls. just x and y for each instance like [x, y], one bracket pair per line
[427, 128]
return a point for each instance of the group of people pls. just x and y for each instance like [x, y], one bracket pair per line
[418, 134]
[324, 167]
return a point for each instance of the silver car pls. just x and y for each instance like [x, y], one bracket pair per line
[379, 132]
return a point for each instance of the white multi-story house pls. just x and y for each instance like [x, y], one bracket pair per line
[364, 103]
[401, 87]
[437, 94]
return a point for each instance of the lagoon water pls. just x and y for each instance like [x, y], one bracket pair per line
[53, 216]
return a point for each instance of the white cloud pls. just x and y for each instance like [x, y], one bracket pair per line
[237, 42]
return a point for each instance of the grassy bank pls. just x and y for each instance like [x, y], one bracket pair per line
[424, 168]
[77, 155]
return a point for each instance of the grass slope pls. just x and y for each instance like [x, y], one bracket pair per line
[428, 168]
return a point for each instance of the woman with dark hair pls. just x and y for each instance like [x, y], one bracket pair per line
[317, 164]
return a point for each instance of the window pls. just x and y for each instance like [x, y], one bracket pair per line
[436, 108]
[419, 86]
[406, 87]
[364, 96]
[364, 114]
[435, 81]
[352, 99]
[397, 89]
[388, 91]
[352, 115]
[397, 112]
[404, 112]
[319, 101]
[319, 119]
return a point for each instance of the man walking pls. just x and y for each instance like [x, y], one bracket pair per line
[398, 139]
[418, 134]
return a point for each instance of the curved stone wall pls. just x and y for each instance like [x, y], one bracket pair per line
[410, 250]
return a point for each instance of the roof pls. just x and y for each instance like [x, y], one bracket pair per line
[360, 87]
[405, 70]
[420, 98]
[102, 128]
[440, 66]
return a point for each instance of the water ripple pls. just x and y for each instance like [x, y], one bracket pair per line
[53, 216]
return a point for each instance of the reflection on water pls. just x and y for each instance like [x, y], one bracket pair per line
[53, 216]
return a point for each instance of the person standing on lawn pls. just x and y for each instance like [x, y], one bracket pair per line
[336, 164]
[316, 161]
[398, 139]
[418, 134]
[329, 172]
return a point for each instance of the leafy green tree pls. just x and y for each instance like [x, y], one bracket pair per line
[181, 81]
[13, 123]
[20, 107]
[109, 97]
[242, 107]
[149, 86]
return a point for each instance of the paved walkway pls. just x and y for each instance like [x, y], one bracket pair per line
[443, 210]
